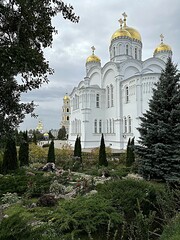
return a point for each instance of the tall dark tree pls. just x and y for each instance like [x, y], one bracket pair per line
[62, 133]
[102, 153]
[25, 30]
[10, 156]
[51, 153]
[24, 150]
[159, 149]
[50, 135]
[130, 157]
[76, 147]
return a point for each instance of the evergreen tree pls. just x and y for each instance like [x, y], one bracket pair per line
[130, 158]
[102, 153]
[50, 135]
[76, 147]
[51, 153]
[62, 133]
[24, 151]
[10, 156]
[79, 149]
[159, 149]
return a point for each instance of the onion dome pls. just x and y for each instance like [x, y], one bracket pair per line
[93, 57]
[66, 97]
[134, 33]
[120, 32]
[162, 47]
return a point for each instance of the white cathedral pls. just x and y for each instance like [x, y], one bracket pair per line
[111, 98]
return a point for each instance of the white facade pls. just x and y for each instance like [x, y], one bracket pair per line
[111, 98]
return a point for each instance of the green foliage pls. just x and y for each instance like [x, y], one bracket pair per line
[24, 151]
[37, 153]
[62, 133]
[32, 186]
[14, 228]
[10, 198]
[160, 129]
[172, 231]
[130, 158]
[10, 156]
[102, 153]
[77, 147]
[26, 29]
[51, 153]
[86, 215]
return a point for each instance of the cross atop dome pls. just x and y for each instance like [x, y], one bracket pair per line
[121, 22]
[125, 16]
[93, 49]
[162, 37]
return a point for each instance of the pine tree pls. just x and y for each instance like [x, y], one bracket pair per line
[159, 149]
[51, 153]
[24, 150]
[10, 156]
[102, 153]
[130, 158]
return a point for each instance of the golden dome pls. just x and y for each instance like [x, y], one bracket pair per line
[93, 58]
[134, 33]
[162, 47]
[120, 33]
[126, 31]
[66, 97]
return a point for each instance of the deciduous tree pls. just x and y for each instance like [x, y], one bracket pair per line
[25, 30]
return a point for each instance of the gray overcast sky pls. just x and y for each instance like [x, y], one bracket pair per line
[98, 21]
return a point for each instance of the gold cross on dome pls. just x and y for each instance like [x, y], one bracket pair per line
[125, 16]
[121, 22]
[93, 49]
[162, 37]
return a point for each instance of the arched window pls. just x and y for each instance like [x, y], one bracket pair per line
[129, 124]
[127, 94]
[100, 126]
[112, 97]
[135, 53]
[95, 126]
[114, 51]
[97, 100]
[67, 109]
[67, 118]
[108, 97]
[127, 49]
[125, 124]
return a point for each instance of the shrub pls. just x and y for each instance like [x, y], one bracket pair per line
[172, 231]
[37, 153]
[10, 198]
[47, 200]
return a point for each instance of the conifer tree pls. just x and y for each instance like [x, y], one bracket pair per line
[130, 158]
[10, 156]
[51, 153]
[159, 149]
[24, 151]
[102, 153]
[76, 147]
